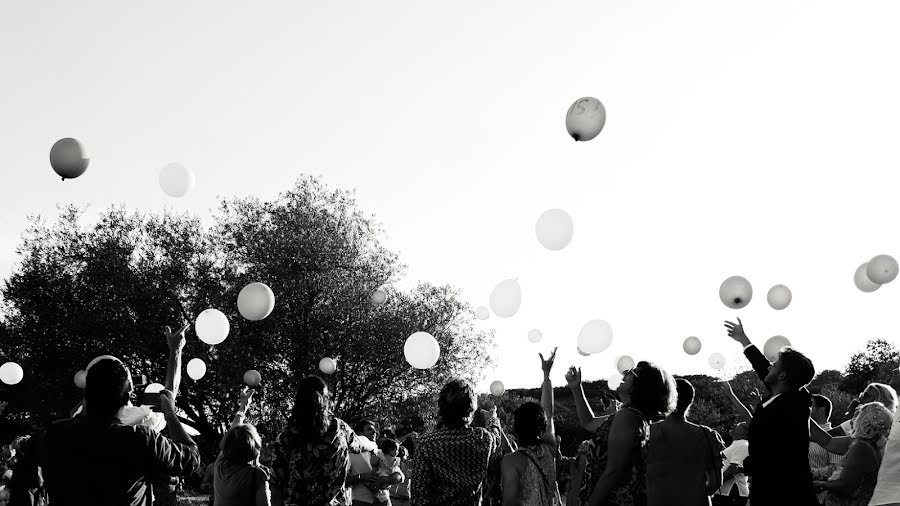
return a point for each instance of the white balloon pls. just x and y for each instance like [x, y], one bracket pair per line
[595, 336]
[862, 281]
[506, 298]
[882, 269]
[154, 388]
[81, 378]
[497, 388]
[735, 292]
[692, 345]
[196, 368]
[585, 118]
[779, 297]
[624, 363]
[252, 378]
[582, 353]
[327, 365]
[379, 297]
[717, 361]
[614, 381]
[212, 326]
[176, 180]
[11, 373]
[554, 229]
[482, 313]
[422, 350]
[773, 347]
[535, 335]
[68, 159]
[256, 301]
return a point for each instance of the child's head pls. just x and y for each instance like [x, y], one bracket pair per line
[389, 447]
[241, 444]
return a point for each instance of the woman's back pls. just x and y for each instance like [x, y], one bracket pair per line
[315, 470]
[538, 484]
[236, 484]
[678, 457]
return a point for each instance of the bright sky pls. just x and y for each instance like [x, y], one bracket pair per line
[756, 140]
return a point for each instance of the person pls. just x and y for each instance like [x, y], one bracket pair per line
[238, 477]
[400, 492]
[734, 490]
[26, 488]
[874, 392]
[887, 488]
[312, 460]
[778, 464]
[684, 460]
[529, 473]
[451, 462]
[822, 462]
[386, 463]
[5, 478]
[855, 483]
[614, 471]
[95, 459]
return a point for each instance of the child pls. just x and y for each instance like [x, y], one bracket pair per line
[386, 463]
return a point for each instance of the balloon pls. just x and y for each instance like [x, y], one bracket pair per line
[595, 336]
[68, 159]
[11, 373]
[482, 313]
[882, 269]
[154, 388]
[585, 119]
[583, 354]
[614, 381]
[327, 365]
[212, 326]
[196, 368]
[81, 378]
[735, 292]
[554, 229]
[692, 345]
[717, 361]
[506, 298]
[176, 180]
[497, 388]
[379, 297]
[256, 301]
[862, 281]
[773, 347]
[252, 378]
[535, 335]
[422, 350]
[779, 297]
[624, 363]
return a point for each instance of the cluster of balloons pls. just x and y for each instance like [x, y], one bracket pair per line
[421, 350]
[11, 373]
[880, 270]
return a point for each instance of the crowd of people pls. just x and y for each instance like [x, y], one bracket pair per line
[644, 451]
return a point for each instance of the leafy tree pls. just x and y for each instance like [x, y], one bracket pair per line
[874, 364]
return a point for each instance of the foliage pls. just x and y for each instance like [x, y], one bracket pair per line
[874, 364]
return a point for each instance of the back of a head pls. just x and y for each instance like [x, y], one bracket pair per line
[685, 395]
[822, 402]
[798, 368]
[107, 387]
[654, 393]
[884, 394]
[241, 444]
[872, 422]
[388, 446]
[456, 404]
[529, 424]
[312, 411]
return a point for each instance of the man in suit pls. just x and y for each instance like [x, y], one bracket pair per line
[778, 464]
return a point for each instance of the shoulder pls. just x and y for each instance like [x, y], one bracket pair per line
[515, 460]
[261, 474]
[627, 416]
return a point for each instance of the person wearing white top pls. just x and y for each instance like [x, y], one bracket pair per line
[733, 470]
[887, 489]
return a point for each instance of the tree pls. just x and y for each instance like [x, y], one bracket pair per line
[874, 364]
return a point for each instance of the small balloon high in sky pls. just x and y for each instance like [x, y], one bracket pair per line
[68, 159]
[585, 119]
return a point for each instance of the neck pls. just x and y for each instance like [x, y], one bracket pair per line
[676, 416]
[780, 388]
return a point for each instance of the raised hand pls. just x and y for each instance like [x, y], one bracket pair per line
[176, 339]
[736, 332]
[167, 402]
[546, 365]
[573, 377]
[244, 399]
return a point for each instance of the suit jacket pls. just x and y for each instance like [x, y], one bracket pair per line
[779, 443]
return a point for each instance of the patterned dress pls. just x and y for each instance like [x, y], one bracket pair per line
[631, 492]
[538, 486]
[451, 465]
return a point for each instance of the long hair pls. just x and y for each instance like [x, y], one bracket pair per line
[653, 393]
[313, 408]
[529, 423]
[872, 422]
[884, 394]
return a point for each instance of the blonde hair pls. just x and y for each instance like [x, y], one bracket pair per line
[872, 422]
[884, 394]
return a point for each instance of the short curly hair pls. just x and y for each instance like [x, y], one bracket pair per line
[456, 404]
[873, 422]
[654, 392]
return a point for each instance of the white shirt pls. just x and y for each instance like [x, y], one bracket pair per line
[361, 463]
[735, 454]
[770, 399]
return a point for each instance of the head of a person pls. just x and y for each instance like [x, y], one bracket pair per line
[740, 431]
[313, 412]
[529, 424]
[685, 393]
[821, 408]
[649, 389]
[872, 422]
[108, 387]
[792, 369]
[241, 444]
[389, 447]
[456, 404]
[879, 392]
[366, 428]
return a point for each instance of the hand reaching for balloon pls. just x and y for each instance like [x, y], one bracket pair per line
[573, 377]
[244, 399]
[547, 365]
[736, 332]
[176, 339]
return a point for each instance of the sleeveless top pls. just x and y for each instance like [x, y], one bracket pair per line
[533, 484]
[678, 458]
[631, 491]
[863, 493]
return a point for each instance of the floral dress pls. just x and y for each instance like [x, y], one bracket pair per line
[631, 491]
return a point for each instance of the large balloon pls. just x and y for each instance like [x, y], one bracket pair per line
[692, 345]
[327, 365]
[717, 361]
[624, 363]
[176, 180]
[735, 292]
[882, 269]
[779, 297]
[212, 326]
[582, 353]
[585, 119]
[196, 368]
[773, 347]
[256, 301]
[535, 335]
[422, 350]
[506, 298]
[154, 388]
[497, 388]
[595, 336]
[68, 159]
[252, 378]
[81, 379]
[614, 381]
[379, 297]
[482, 313]
[554, 229]
[862, 281]
[11, 373]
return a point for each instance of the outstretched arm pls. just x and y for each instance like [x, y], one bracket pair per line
[742, 410]
[757, 359]
[836, 445]
[585, 414]
[173, 368]
[547, 396]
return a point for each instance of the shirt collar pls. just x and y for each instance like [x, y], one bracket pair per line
[769, 401]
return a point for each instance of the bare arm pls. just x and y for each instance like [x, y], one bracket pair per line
[585, 414]
[263, 495]
[837, 445]
[547, 396]
[622, 435]
[173, 368]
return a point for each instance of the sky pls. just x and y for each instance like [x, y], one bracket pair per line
[755, 140]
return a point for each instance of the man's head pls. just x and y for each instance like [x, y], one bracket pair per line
[793, 370]
[456, 404]
[821, 409]
[366, 428]
[740, 431]
[108, 387]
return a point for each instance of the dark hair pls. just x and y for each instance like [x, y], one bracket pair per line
[360, 425]
[685, 395]
[820, 401]
[312, 412]
[241, 444]
[798, 368]
[653, 392]
[389, 445]
[529, 424]
[107, 387]
[456, 403]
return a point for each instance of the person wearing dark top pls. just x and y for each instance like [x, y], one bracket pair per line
[96, 460]
[778, 464]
